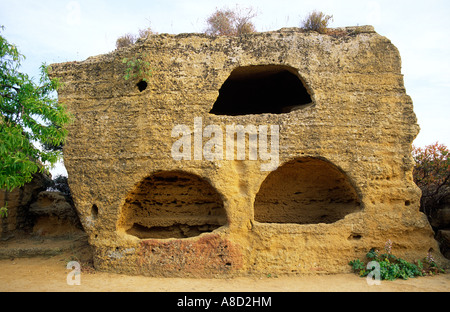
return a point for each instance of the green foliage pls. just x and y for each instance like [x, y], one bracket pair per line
[392, 267]
[317, 21]
[137, 67]
[4, 211]
[357, 265]
[30, 116]
[227, 22]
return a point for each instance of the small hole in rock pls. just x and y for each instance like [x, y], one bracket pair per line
[94, 211]
[355, 236]
[407, 203]
[142, 85]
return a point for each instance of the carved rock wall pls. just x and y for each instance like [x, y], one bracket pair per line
[340, 185]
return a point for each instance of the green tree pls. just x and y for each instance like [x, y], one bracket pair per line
[30, 117]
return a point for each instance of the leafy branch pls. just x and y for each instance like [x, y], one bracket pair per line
[30, 117]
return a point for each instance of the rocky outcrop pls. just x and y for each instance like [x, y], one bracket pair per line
[276, 152]
[32, 210]
[39, 222]
[18, 204]
[54, 215]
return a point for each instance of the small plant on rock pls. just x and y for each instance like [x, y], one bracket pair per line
[130, 39]
[317, 21]
[4, 211]
[137, 67]
[228, 22]
[125, 41]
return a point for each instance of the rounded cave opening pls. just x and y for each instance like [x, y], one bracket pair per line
[261, 89]
[306, 191]
[172, 204]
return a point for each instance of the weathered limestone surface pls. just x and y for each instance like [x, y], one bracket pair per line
[345, 179]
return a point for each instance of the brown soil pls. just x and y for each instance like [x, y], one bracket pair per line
[48, 273]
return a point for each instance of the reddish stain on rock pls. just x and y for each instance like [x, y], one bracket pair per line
[209, 254]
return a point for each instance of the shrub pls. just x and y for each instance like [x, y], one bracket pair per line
[317, 21]
[432, 175]
[221, 23]
[243, 22]
[125, 41]
[227, 22]
[144, 33]
[392, 267]
[130, 39]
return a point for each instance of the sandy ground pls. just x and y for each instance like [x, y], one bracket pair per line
[49, 274]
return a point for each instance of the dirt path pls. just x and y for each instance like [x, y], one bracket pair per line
[47, 273]
[42, 274]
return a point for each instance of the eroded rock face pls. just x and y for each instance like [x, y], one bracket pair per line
[163, 184]
[54, 215]
[18, 202]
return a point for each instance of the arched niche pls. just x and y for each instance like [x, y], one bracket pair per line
[260, 89]
[172, 204]
[306, 191]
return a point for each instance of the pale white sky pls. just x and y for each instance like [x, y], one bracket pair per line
[56, 31]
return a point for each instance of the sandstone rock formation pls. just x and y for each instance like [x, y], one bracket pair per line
[162, 186]
[34, 211]
[18, 203]
[54, 215]
[40, 222]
